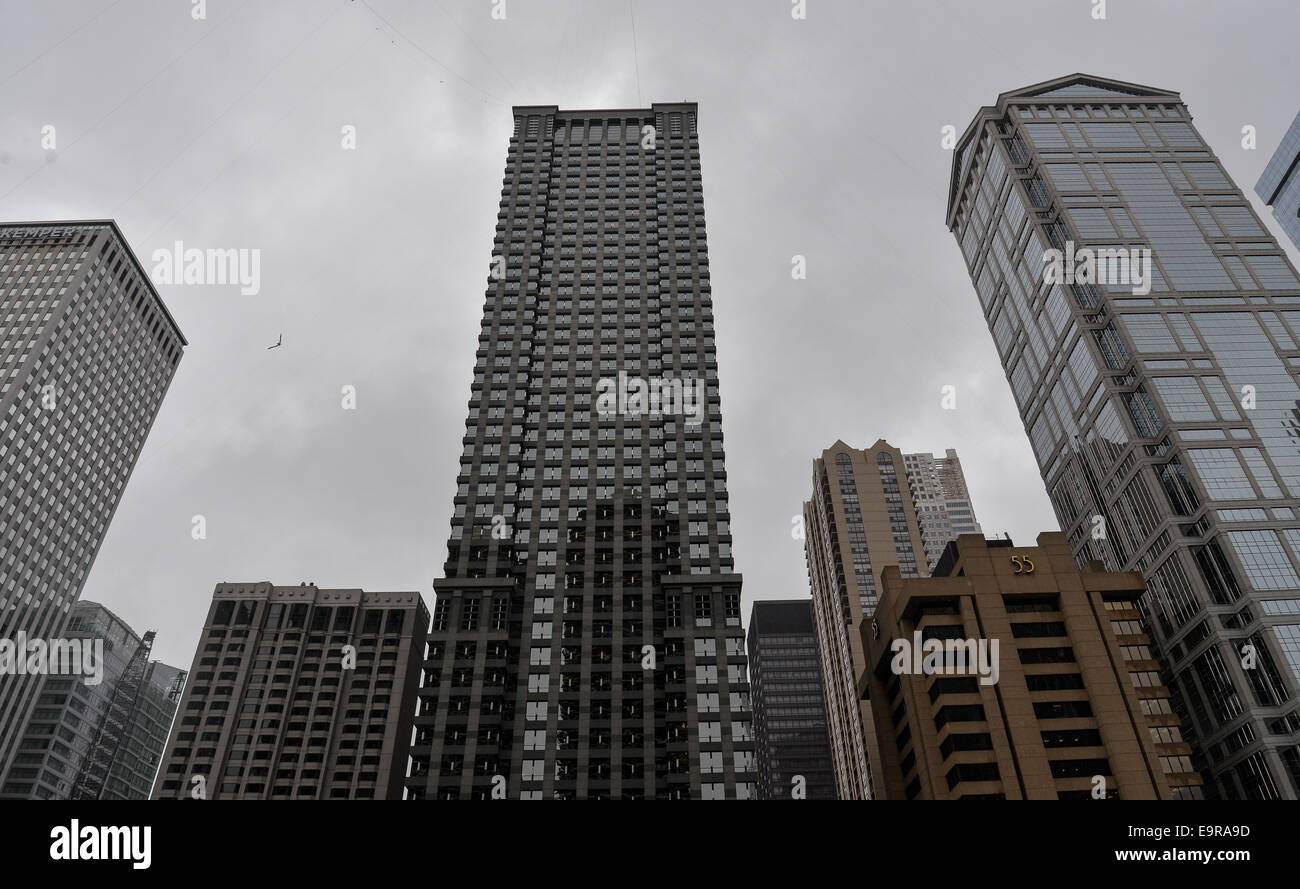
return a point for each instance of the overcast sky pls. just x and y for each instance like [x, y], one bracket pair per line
[818, 137]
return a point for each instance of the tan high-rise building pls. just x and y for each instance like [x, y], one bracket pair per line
[860, 519]
[1046, 687]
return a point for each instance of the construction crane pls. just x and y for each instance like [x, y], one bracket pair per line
[115, 726]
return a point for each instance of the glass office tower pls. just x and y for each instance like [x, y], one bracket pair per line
[75, 746]
[1279, 186]
[586, 639]
[1159, 393]
[791, 735]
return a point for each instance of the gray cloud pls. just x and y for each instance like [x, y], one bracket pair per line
[818, 138]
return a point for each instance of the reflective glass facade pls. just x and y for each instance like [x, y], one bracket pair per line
[1163, 412]
[69, 720]
[791, 738]
[1279, 187]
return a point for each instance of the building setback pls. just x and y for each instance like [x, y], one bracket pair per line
[941, 500]
[298, 693]
[87, 351]
[1161, 406]
[587, 638]
[1279, 186]
[70, 748]
[791, 740]
[1068, 705]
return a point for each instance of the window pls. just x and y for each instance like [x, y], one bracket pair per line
[1062, 709]
[1079, 768]
[1053, 681]
[1145, 679]
[713, 790]
[972, 771]
[1084, 737]
[1046, 655]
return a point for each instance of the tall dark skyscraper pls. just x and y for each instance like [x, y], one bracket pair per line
[791, 737]
[1159, 393]
[587, 639]
[1279, 186]
[87, 351]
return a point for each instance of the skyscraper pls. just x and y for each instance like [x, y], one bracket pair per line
[97, 737]
[1279, 186]
[298, 692]
[1012, 674]
[941, 500]
[885, 508]
[87, 351]
[791, 741]
[587, 639]
[1147, 323]
[855, 524]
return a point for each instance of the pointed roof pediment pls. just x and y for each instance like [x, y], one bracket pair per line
[1070, 88]
[1084, 86]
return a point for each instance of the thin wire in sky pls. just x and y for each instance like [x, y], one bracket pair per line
[636, 64]
[431, 57]
[208, 32]
[43, 53]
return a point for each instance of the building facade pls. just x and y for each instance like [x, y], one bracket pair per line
[859, 521]
[791, 740]
[1279, 186]
[135, 767]
[75, 745]
[1011, 674]
[587, 638]
[1148, 326]
[298, 693]
[87, 351]
[941, 500]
